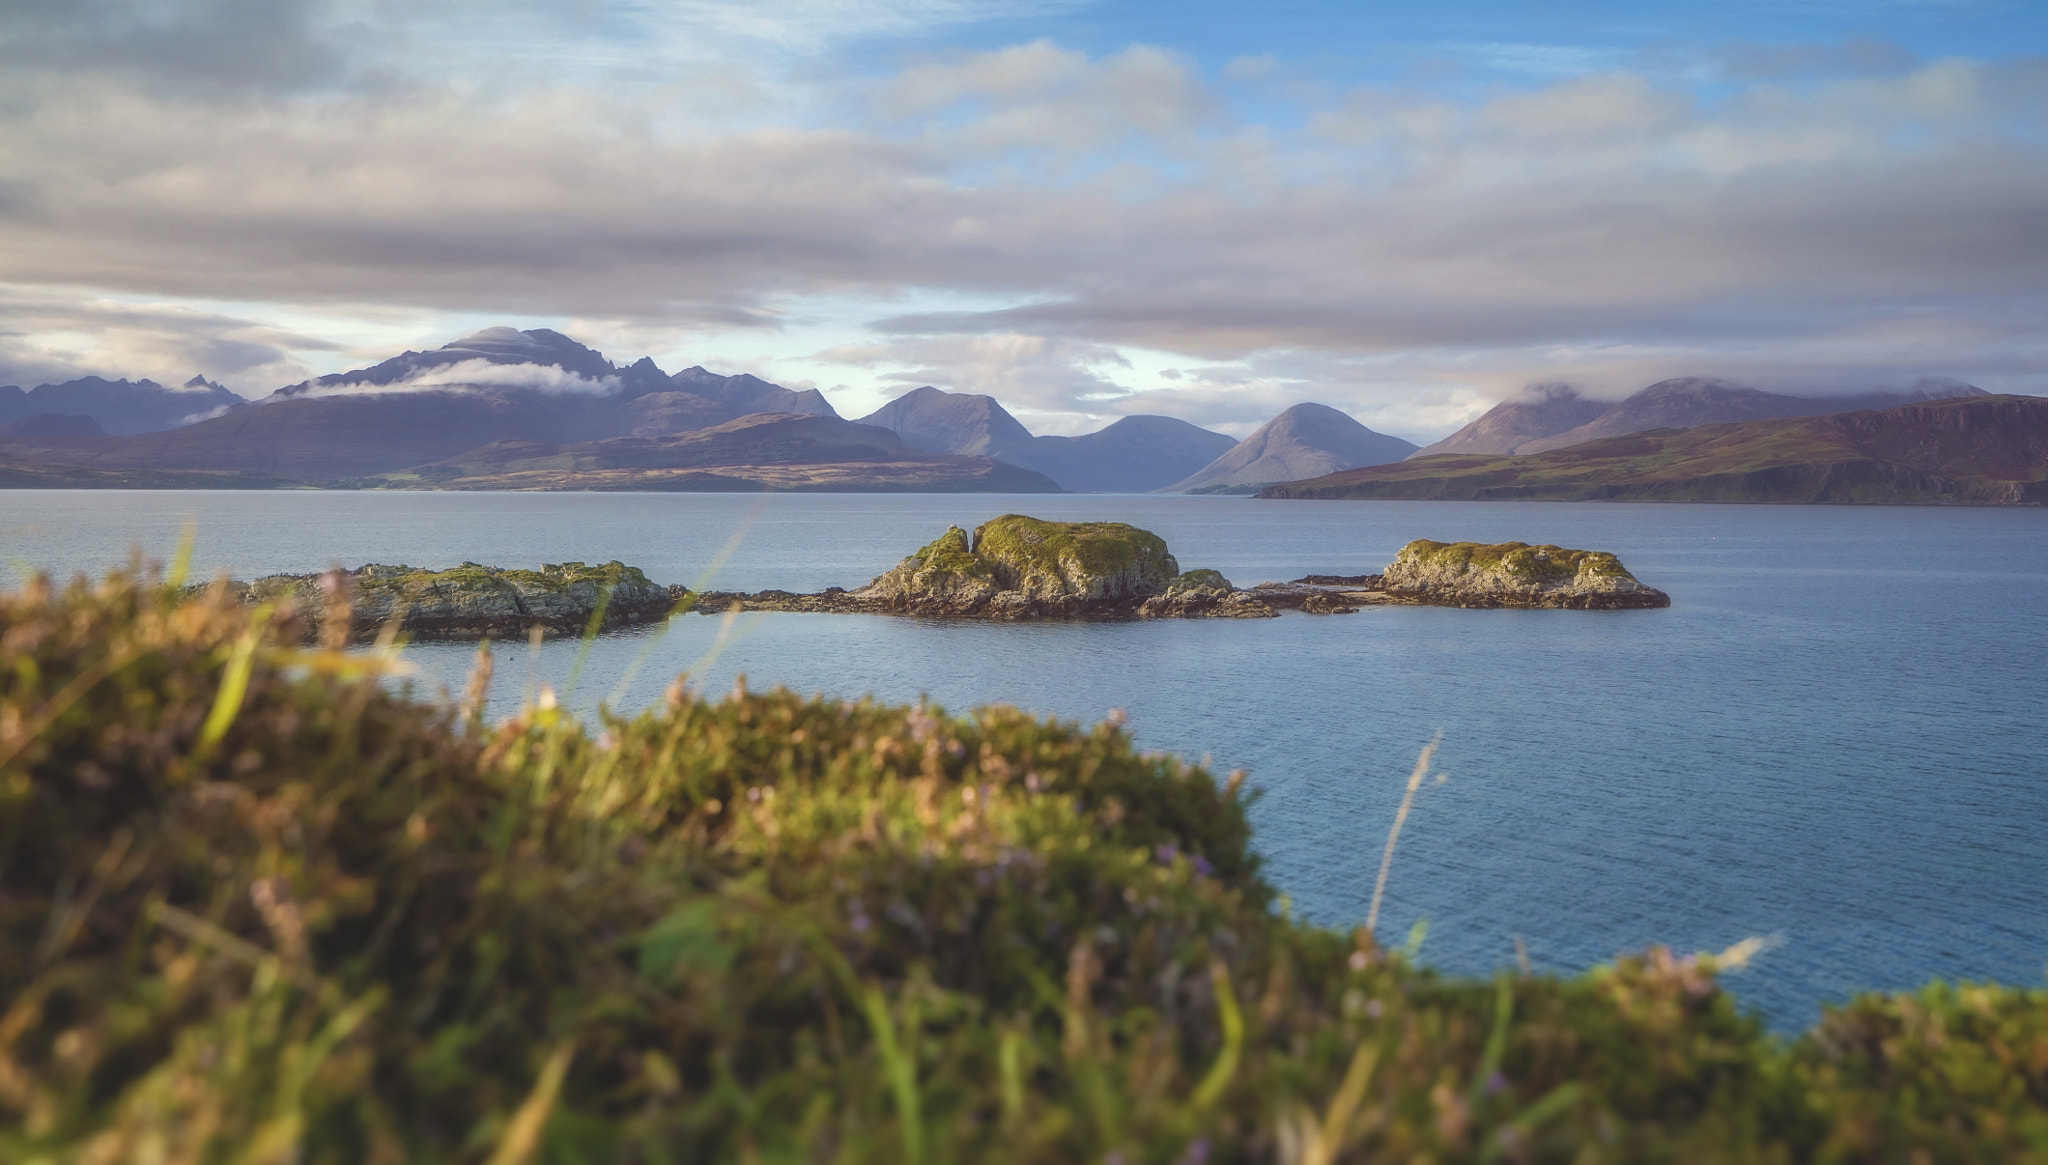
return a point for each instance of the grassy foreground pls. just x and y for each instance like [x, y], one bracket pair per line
[254, 907]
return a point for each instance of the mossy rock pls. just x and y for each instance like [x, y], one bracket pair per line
[1199, 580]
[1019, 547]
[1544, 563]
[1016, 567]
[473, 600]
[1516, 574]
[949, 553]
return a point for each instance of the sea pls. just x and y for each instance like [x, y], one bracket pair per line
[1833, 740]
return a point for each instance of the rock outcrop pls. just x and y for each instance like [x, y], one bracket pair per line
[1014, 567]
[469, 601]
[1515, 574]
[1205, 594]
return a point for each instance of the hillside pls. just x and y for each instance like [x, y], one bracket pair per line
[1981, 450]
[761, 451]
[1554, 416]
[969, 424]
[746, 393]
[1135, 454]
[119, 406]
[1308, 440]
[325, 437]
[497, 385]
[1132, 455]
[1540, 411]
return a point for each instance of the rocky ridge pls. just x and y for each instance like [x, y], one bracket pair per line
[467, 602]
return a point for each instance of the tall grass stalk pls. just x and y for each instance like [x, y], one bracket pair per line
[1379, 889]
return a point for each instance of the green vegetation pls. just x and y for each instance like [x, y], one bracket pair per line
[258, 907]
[948, 554]
[1199, 580]
[1518, 560]
[468, 600]
[1028, 546]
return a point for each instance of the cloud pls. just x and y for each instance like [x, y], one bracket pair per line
[49, 335]
[1040, 96]
[471, 375]
[184, 46]
[1401, 255]
[1057, 380]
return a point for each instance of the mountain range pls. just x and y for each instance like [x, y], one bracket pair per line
[505, 408]
[537, 393]
[114, 406]
[1979, 449]
[535, 409]
[1307, 440]
[1555, 416]
[1132, 455]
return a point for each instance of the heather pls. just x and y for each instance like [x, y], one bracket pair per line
[261, 903]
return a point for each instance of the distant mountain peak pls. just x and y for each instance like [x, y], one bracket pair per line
[1539, 420]
[1305, 440]
[964, 423]
[199, 383]
[747, 394]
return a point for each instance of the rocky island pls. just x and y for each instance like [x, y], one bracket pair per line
[1010, 568]
[467, 602]
[1014, 567]
[1514, 574]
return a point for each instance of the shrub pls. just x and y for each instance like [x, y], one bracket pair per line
[260, 905]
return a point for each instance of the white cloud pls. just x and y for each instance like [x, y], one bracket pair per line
[475, 374]
[1401, 256]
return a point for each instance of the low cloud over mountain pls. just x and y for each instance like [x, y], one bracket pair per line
[203, 185]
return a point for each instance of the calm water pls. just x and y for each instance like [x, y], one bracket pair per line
[1835, 735]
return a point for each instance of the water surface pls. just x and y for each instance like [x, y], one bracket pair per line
[1835, 735]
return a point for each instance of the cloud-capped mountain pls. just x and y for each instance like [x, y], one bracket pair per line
[1132, 455]
[1542, 410]
[1307, 440]
[490, 358]
[498, 388]
[119, 406]
[1556, 417]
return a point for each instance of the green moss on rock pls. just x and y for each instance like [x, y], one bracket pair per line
[1026, 545]
[1017, 567]
[472, 599]
[1199, 580]
[1544, 563]
[949, 553]
[1516, 574]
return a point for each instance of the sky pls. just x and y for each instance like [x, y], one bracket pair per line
[1086, 209]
